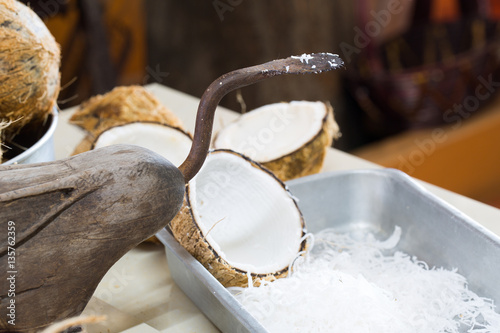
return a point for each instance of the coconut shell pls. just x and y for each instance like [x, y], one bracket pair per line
[188, 234]
[309, 159]
[84, 145]
[92, 146]
[90, 139]
[120, 106]
[29, 67]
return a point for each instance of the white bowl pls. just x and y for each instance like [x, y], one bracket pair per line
[43, 149]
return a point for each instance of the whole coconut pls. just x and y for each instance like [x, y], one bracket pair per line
[29, 67]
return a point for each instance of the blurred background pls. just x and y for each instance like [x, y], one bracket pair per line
[418, 92]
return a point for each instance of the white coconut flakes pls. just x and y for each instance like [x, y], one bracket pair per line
[348, 285]
[304, 58]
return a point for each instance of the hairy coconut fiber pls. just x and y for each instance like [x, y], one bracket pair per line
[120, 106]
[29, 67]
[309, 158]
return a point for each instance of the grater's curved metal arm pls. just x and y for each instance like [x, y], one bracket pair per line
[305, 64]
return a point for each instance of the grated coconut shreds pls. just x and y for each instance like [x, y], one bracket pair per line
[347, 285]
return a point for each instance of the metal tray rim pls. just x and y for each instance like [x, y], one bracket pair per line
[410, 183]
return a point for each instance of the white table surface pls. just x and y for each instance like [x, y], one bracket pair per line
[138, 293]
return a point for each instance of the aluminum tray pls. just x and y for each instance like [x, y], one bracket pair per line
[358, 202]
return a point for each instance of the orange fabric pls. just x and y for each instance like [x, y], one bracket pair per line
[445, 10]
[494, 9]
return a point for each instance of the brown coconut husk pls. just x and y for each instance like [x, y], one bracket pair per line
[84, 145]
[29, 72]
[309, 158]
[120, 106]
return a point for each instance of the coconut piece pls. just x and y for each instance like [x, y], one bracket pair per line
[84, 145]
[120, 106]
[29, 67]
[170, 142]
[64, 325]
[290, 139]
[238, 219]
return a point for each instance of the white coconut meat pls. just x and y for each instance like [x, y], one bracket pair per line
[288, 138]
[169, 142]
[239, 219]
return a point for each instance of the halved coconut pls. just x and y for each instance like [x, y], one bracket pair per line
[290, 139]
[238, 220]
[29, 67]
[170, 142]
[122, 105]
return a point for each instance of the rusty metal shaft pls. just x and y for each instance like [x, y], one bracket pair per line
[307, 63]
